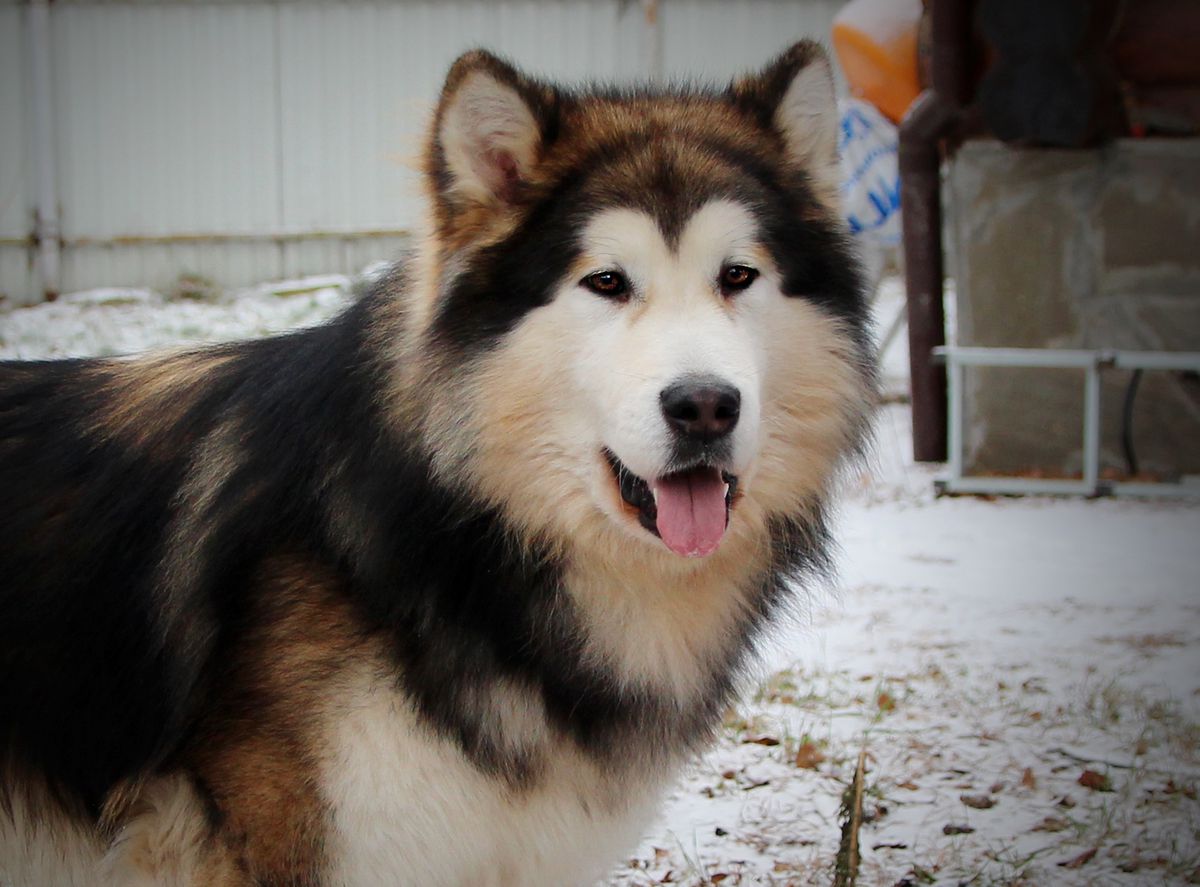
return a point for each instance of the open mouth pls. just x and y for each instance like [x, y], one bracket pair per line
[688, 510]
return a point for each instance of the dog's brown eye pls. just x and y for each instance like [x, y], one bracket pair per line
[610, 284]
[735, 278]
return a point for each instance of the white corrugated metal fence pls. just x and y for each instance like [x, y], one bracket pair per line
[256, 140]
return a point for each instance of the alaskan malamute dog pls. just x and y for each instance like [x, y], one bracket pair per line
[446, 590]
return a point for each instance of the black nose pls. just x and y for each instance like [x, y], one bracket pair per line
[701, 409]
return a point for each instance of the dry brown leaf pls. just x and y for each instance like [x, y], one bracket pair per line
[808, 756]
[1051, 824]
[1079, 861]
[1028, 780]
[978, 802]
[908, 784]
[760, 740]
[1097, 782]
[951, 829]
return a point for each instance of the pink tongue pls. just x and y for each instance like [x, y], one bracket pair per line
[691, 511]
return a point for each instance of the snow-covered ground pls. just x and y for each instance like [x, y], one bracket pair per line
[1023, 674]
[111, 321]
[986, 654]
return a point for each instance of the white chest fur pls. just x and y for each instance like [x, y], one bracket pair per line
[410, 808]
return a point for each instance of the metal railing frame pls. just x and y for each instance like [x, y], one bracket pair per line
[1093, 363]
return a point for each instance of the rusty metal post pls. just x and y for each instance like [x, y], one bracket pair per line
[920, 198]
[932, 117]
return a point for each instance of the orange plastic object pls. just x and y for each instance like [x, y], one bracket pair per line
[876, 43]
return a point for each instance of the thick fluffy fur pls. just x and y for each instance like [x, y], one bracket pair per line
[364, 604]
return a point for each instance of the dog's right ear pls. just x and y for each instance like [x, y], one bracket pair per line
[491, 127]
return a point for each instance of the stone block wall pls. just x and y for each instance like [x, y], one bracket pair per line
[1077, 249]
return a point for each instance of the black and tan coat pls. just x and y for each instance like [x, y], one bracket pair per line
[416, 597]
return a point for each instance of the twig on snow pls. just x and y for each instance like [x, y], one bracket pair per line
[845, 873]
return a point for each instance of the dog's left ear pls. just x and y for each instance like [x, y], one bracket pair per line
[491, 127]
[794, 95]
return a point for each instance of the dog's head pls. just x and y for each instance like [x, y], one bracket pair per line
[643, 328]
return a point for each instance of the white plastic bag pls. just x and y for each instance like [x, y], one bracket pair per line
[868, 144]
